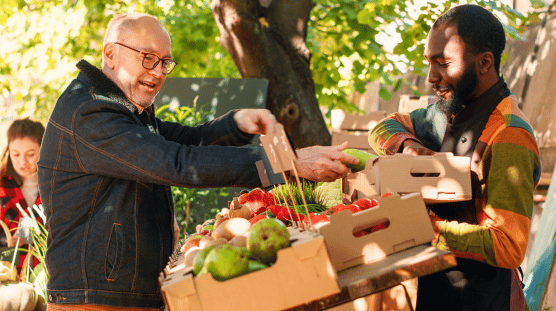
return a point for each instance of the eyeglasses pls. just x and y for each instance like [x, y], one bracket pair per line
[150, 61]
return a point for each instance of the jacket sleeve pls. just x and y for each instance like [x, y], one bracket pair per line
[511, 173]
[107, 139]
[425, 125]
[221, 131]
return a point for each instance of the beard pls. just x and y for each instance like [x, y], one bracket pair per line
[461, 93]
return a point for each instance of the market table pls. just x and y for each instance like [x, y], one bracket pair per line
[366, 279]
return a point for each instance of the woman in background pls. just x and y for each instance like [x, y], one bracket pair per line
[18, 179]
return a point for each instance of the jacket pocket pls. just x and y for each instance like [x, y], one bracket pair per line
[114, 252]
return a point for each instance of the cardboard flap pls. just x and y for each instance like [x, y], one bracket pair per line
[287, 283]
[439, 177]
[303, 252]
[407, 222]
[345, 121]
[179, 285]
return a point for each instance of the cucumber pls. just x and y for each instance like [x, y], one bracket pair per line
[361, 155]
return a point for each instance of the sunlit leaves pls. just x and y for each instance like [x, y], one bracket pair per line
[387, 37]
[352, 42]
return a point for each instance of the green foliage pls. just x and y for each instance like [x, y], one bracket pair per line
[39, 274]
[203, 204]
[352, 43]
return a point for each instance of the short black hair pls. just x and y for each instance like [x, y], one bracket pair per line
[479, 29]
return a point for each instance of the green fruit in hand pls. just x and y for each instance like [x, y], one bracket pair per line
[199, 260]
[361, 155]
[226, 261]
[266, 238]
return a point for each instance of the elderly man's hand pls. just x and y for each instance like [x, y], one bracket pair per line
[323, 163]
[415, 148]
[176, 233]
[255, 121]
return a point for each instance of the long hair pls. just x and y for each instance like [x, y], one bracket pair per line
[479, 29]
[20, 128]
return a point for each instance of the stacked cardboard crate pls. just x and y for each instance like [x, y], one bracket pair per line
[440, 178]
[354, 128]
[302, 273]
[351, 240]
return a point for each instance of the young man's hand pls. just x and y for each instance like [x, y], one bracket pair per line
[415, 148]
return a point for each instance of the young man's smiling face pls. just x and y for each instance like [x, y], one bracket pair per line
[452, 68]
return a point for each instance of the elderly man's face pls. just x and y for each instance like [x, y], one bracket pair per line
[141, 85]
[452, 69]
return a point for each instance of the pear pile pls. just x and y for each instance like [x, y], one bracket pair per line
[232, 246]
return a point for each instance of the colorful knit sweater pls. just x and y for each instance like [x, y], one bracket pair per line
[506, 161]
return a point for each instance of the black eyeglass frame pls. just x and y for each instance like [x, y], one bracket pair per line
[145, 54]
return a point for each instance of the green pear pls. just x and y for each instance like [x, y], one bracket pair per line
[226, 261]
[255, 265]
[266, 238]
[199, 260]
[361, 155]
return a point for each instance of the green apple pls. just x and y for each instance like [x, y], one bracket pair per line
[266, 238]
[361, 155]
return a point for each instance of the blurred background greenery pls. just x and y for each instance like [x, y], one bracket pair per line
[352, 43]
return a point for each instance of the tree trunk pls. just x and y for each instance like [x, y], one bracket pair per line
[266, 39]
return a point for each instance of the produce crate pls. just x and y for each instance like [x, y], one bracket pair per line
[405, 224]
[302, 273]
[354, 128]
[440, 178]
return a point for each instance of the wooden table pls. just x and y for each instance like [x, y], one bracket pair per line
[363, 280]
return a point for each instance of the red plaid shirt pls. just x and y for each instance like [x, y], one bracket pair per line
[10, 195]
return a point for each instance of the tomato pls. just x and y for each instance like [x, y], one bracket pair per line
[364, 204]
[386, 194]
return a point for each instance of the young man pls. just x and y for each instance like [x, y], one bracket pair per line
[476, 116]
[107, 164]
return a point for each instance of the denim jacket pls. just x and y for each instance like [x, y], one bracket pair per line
[105, 173]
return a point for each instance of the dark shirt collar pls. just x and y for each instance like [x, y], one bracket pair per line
[486, 101]
[107, 87]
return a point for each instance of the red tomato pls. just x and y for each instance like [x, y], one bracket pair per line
[337, 208]
[257, 218]
[364, 204]
[275, 209]
[350, 207]
[315, 218]
[386, 194]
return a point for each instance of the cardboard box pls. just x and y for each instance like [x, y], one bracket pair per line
[440, 178]
[409, 103]
[354, 128]
[342, 120]
[355, 139]
[407, 224]
[302, 273]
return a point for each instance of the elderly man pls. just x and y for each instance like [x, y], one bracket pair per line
[107, 166]
[476, 116]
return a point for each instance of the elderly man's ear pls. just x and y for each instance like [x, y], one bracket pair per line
[109, 54]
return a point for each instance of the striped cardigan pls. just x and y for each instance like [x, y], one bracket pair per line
[506, 161]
